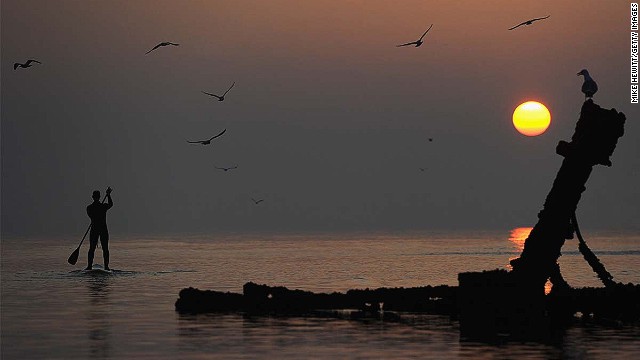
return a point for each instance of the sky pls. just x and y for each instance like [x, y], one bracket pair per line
[328, 121]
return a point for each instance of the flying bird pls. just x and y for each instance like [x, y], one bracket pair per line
[226, 168]
[589, 87]
[27, 64]
[419, 41]
[257, 201]
[162, 44]
[529, 22]
[220, 98]
[206, 142]
[422, 169]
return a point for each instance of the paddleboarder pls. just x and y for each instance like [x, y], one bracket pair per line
[97, 211]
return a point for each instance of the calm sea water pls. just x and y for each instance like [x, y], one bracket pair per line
[52, 310]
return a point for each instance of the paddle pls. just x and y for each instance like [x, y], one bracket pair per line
[73, 258]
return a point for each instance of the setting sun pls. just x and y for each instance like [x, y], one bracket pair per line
[531, 118]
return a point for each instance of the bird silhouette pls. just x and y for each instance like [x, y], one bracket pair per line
[419, 41]
[220, 98]
[27, 64]
[422, 169]
[162, 44]
[589, 86]
[226, 168]
[257, 201]
[206, 142]
[529, 22]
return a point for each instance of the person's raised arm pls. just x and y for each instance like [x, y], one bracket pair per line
[109, 201]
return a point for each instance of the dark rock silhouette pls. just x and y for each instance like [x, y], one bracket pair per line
[493, 312]
[494, 304]
[263, 299]
[489, 304]
[514, 302]
[593, 142]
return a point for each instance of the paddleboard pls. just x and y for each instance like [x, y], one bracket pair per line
[97, 270]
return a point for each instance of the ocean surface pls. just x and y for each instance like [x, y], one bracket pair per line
[52, 310]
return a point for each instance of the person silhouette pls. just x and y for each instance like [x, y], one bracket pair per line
[97, 211]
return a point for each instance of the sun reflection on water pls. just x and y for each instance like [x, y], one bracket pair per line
[517, 237]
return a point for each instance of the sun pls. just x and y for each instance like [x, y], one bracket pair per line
[531, 118]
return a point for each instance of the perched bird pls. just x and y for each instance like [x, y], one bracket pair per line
[29, 63]
[529, 22]
[257, 201]
[226, 168]
[206, 142]
[589, 87]
[220, 98]
[162, 44]
[419, 41]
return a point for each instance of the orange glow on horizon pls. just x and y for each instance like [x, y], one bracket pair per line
[547, 287]
[531, 118]
[519, 235]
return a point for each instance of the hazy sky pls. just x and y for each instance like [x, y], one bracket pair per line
[328, 121]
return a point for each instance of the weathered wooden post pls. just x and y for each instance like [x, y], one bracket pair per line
[507, 301]
[490, 302]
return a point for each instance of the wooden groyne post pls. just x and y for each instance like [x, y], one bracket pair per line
[504, 301]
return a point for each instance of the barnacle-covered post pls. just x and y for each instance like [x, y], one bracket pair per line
[500, 300]
[593, 142]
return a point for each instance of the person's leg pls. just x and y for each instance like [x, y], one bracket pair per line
[104, 241]
[93, 242]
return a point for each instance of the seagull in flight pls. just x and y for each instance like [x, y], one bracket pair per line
[206, 142]
[226, 168]
[529, 22]
[589, 86]
[257, 201]
[419, 41]
[220, 98]
[162, 44]
[27, 64]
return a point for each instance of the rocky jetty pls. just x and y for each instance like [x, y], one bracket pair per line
[492, 302]
[264, 299]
